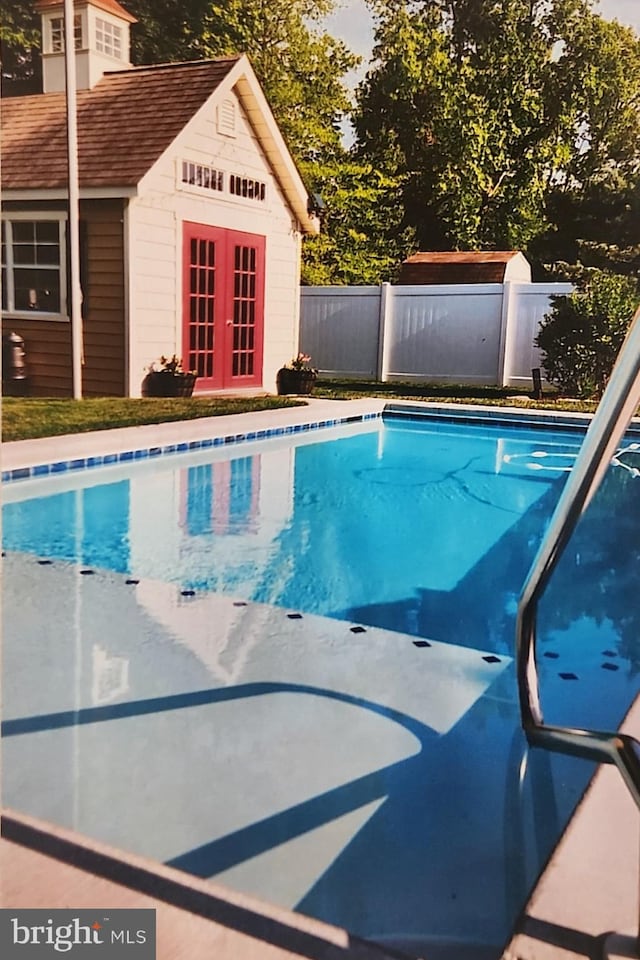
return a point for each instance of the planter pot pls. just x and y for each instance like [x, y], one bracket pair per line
[296, 381]
[159, 383]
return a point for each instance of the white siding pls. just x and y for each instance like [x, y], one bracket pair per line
[157, 215]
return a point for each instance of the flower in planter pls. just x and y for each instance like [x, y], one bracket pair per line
[301, 362]
[167, 377]
[297, 376]
[169, 365]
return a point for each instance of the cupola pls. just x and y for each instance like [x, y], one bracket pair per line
[101, 30]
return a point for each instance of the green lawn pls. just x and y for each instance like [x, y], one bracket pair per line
[26, 418]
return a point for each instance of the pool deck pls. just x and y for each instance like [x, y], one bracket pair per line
[589, 888]
[586, 902]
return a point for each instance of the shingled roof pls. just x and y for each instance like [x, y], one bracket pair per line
[456, 267]
[124, 124]
[110, 6]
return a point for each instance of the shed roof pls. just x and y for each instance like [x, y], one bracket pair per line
[124, 124]
[466, 266]
[111, 6]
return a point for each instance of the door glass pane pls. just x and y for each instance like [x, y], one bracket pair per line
[201, 310]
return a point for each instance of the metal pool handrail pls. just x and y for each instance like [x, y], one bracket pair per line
[619, 402]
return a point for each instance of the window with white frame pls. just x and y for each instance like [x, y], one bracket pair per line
[33, 266]
[56, 44]
[108, 38]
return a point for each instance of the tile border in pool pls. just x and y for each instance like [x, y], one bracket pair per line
[214, 432]
[160, 440]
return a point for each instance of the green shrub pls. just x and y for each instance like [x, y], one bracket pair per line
[582, 334]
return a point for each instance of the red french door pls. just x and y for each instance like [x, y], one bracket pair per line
[223, 306]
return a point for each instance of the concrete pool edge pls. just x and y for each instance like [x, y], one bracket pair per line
[585, 903]
[30, 459]
[49, 867]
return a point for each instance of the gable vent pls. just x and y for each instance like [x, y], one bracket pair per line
[227, 118]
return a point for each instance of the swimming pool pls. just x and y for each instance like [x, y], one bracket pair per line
[290, 668]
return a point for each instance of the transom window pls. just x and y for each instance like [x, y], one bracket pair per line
[57, 33]
[33, 266]
[108, 38]
[201, 175]
[246, 187]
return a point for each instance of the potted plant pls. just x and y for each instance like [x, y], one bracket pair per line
[297, 376]
[166, 377]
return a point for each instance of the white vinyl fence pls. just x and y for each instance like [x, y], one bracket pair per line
[464, 333]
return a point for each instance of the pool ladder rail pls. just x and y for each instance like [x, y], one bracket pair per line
[619, 403]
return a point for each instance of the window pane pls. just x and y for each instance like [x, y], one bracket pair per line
[47, 254]
[24, 231]
[24, 253]
[37, 290]
[46, 231]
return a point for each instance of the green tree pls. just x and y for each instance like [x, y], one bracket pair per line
[581, 336]
[593, 202]
[20, 47]
[300, 66]
[362, 240]
[486, 108]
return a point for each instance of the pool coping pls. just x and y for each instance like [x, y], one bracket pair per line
[49, 456]
[585, 903]
[49, 867]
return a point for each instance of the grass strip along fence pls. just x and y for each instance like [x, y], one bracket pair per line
[30, 417]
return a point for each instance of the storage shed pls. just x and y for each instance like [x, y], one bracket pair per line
[493, 266]
[192, 213]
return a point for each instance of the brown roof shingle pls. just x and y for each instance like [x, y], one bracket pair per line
[455, 267]
[124, 124]
[111, 6]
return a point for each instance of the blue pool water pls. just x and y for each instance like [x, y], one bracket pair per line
[425, 530]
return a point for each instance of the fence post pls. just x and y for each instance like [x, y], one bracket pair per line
[384, 330]
[507, 333]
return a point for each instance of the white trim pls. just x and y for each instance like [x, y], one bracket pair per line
[244, 82]
[34, 215]
[126, 283]
[23, 315]
[60, 193]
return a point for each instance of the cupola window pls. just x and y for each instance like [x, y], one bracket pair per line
[56, 44]
[108, 38]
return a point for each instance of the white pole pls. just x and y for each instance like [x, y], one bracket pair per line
[75, 300]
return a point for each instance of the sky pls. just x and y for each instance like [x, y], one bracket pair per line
[352, 21]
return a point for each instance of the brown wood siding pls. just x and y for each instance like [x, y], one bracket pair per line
[47, 345]
[48, 342]
[104, 325]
